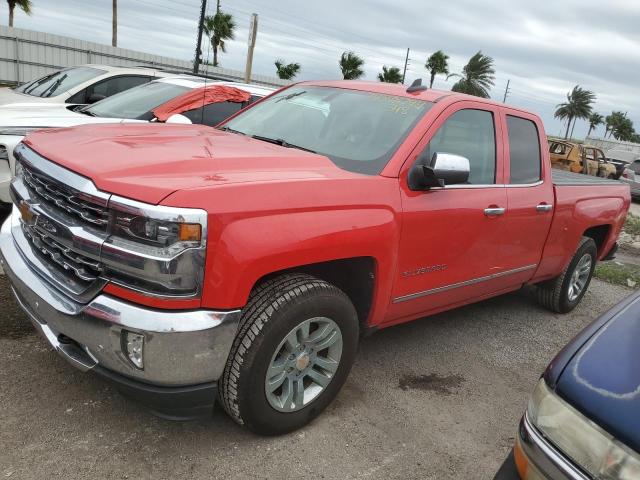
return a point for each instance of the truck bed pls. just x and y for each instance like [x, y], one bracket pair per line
[562, 177]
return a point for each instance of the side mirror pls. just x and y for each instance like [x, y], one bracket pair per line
[444, 169]
[178, 118]
[95, 97]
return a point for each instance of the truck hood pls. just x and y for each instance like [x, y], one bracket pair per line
[149, 162]
[46, 115]
[602, 379]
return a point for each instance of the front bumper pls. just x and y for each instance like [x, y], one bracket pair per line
[537, 459]
[182, 349]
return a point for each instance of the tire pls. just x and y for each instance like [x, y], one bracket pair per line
[276, 308]
[555, 294]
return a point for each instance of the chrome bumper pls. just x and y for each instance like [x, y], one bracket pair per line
[545, 460]
[180, 348]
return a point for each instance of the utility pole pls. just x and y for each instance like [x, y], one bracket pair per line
[196, 62]
[253, 32]
[506, 91]
[114, 26]
[406, 62]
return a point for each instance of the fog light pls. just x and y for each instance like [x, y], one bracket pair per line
[134, 346]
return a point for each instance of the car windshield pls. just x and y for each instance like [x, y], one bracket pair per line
[60, 82]
[358, 131]
[137, 102]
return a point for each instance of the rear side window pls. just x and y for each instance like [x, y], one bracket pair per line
[471, 134]
[213, 113]
[524, 149]
[635, 166]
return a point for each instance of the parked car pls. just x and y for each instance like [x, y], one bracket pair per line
[620, 159]
[631, 175]
[243, 262]
[582, 421]
[576, 158]
[135, 105]
[79, 85]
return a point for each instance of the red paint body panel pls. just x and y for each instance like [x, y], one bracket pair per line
[271, 208]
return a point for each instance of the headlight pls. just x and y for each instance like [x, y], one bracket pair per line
[588, 445]
[19, 131]
[155, 249]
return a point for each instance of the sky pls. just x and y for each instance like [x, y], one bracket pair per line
[543, 47]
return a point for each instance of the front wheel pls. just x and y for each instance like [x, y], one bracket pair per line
[563, 293]
[295, 347]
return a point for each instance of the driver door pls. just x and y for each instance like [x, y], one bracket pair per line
[451, 235]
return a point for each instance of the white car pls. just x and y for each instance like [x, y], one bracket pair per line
[134, 105]
[81, 84]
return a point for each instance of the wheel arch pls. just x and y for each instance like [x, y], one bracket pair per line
[355, 276]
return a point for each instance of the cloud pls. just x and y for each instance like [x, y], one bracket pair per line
[544, 48]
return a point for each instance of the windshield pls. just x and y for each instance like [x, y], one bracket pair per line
[60, 82]
[136, 103]
[358, 131]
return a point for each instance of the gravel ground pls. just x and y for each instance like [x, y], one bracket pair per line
[438, 398]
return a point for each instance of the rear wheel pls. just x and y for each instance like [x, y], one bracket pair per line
[563, 293]
[293, 352]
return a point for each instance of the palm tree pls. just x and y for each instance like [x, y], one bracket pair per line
[437, 64]
[350, 64]
[219, 28]
[595, 119]
[25, 6]
[477, 76]
[288, 71]
[114, 24]
[614, 123]
[390, 75]
[578, 105]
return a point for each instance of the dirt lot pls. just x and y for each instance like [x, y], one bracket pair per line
[436, 399]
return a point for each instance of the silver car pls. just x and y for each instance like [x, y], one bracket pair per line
[631, 175]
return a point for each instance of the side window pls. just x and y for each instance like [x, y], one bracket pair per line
[524, 150]
[588, 152]
[471, 134]
[114, 85]
[213, 113]
[635, 166]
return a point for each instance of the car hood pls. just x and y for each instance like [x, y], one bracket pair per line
[46, 115]
[149, 162]
[602, 379]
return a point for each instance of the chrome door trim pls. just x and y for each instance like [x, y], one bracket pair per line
[488, 185]
[466, 283]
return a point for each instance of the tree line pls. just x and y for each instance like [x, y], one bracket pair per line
[477, 76]
[579, 105]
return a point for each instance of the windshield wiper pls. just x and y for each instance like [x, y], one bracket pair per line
[282, 143]
[290, 96]
[54, 86]
[229, 129]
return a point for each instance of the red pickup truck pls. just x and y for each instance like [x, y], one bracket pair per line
[243, 263]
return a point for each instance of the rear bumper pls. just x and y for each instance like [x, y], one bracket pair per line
[184, 351]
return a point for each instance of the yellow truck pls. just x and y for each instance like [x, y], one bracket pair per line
[578, 158]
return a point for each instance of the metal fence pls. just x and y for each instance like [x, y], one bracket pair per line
[613, 144]
[28, 54]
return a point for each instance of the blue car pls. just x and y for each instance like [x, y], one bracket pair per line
[583, 419]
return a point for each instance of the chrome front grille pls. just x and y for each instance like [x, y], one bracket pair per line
[63, 197]
[80, 266]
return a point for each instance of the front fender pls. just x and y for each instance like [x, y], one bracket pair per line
[250, 248]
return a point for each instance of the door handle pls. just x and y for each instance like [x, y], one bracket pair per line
[494, 211]
[544, 207]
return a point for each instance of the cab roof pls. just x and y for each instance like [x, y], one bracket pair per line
[429, 95]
